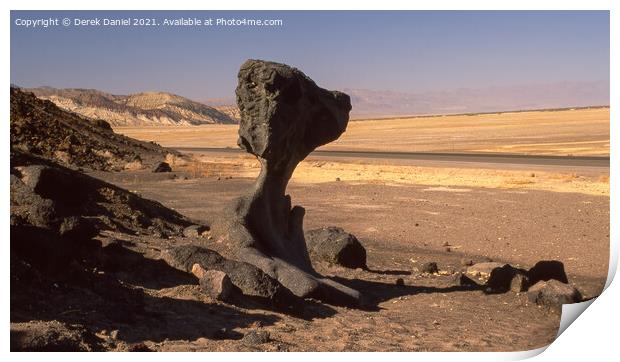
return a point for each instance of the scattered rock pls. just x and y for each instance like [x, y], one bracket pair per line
[256, 337]
[334, 245]
[546, 270]
[249, 279]
[430, 267]
[214, 282]
[162, 167]
[553, 293]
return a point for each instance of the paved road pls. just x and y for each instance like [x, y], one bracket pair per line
[582, 161]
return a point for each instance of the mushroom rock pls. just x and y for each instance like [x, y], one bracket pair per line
[284, 117]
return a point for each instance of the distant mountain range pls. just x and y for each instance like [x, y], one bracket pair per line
[140, 109]
[159, 108]
[371, 103]
[376, 103]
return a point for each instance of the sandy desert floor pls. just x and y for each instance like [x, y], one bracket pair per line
[578, 132]
[402, 224]
[405, 213]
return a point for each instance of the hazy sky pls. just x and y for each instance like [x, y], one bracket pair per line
[407, 51]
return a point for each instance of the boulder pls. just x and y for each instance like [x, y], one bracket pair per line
[249, 279]
[334, 245]
[546, 270]
[162, 167]
[553, 293]
[505, 278]
[215, 283]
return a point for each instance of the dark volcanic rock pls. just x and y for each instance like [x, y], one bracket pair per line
[56, 212]
[249, 279]
[162, 167]
[216, 283]
[546, 270]
[505, 278]
[284, 117]
[77, 227]
[50, 196]
[553, 293]
[334, 245]
[41, 128]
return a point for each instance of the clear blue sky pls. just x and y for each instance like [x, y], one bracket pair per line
[412, 51]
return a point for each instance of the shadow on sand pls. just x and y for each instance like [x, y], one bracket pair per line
[378, 292]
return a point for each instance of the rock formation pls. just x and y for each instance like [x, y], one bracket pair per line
[334, 245]
[284, 117]
[39, 127]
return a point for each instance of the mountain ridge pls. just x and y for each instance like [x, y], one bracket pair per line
[162, 108]
[41, 128]
[380, 104]
[138, 109]
[384, 104]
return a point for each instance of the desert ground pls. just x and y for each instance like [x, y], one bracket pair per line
[579, 132]
[111, 289]
[402, 226]
[407, 213]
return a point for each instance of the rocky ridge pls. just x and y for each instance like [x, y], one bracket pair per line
[140, 109]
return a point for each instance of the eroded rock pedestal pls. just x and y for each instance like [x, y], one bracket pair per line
[284, 117]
